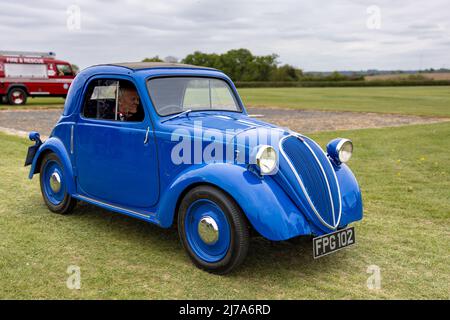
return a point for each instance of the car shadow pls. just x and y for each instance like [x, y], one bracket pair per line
[264, 257]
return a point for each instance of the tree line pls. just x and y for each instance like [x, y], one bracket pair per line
[242, 65]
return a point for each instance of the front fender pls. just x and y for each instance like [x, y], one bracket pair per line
[352, 206]
[266, 205]
[56, 146]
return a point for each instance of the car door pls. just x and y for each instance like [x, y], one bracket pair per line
[116, 160]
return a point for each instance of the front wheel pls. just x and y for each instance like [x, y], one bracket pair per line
[213, 229]
[54, 185]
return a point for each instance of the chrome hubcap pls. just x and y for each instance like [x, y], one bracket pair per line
[208, 230]
[55, 182]
[17, 97]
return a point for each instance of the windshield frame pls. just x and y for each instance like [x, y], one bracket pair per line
[231, 88]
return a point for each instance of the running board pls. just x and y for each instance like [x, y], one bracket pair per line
[150, 217]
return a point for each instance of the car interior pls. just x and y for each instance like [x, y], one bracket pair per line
[102, 101]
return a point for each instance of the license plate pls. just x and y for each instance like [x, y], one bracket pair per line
[333, 242]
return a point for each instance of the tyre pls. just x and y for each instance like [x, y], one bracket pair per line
[213, 229]
[17, 96]
[54, 185]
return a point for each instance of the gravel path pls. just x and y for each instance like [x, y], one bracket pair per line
[304, 121]
[42, 121]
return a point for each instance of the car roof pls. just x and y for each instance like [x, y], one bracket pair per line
[136, 69]
[154, 65]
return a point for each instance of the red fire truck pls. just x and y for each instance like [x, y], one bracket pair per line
[32, 74]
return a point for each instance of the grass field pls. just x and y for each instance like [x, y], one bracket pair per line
[430, 101]
[44, 103]
[404, 173]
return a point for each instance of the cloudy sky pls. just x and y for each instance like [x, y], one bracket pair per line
[313, 35]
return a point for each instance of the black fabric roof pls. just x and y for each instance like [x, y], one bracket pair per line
[148, 65]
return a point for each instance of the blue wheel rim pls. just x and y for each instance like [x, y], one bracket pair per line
[53, 197]
[208, 252]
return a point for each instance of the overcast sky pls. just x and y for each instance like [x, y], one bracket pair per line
[313, 35]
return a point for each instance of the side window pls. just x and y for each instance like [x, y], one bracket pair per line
[64, 70]
[114, 100]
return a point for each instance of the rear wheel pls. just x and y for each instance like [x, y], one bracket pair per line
[213, 230]
[54, 185]
[17, 96]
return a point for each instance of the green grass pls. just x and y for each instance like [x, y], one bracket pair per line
[427, 101]
[37, 103]
[404, 174]
[430, 101]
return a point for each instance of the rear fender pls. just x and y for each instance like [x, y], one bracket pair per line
[56, 146]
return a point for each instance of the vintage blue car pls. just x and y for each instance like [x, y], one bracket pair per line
[172, 144]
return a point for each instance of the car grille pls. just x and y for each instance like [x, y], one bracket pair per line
[315, 176]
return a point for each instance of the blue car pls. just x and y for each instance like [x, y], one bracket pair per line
[172, 144]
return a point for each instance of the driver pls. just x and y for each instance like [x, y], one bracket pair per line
[128, 104]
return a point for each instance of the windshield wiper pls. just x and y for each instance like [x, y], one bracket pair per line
[177, 115]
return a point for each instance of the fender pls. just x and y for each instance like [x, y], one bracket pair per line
[17, 85]
[269, 210]
[352, 206]
[55, 145]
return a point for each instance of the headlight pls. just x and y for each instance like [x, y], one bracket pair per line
[266, 160]
[340, 150]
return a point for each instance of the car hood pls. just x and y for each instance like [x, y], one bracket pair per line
[245, 133]
[218, 120]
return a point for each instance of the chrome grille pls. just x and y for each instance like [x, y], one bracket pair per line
[315, 176]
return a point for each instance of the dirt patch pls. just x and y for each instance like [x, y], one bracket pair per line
[304, 121]
[403, 76]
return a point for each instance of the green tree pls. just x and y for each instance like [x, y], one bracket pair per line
[203, 59]
[261, 68]
[235, 63]
[154, 59]
[286, 73]
[242, 65]
[336, 76]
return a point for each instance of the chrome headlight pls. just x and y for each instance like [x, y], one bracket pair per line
[267, 160]
[340, 150]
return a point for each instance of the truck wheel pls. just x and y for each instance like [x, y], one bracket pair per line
[54, 185]
[213, 230]
[17, 96]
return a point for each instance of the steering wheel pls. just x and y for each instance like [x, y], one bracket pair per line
[170, 108]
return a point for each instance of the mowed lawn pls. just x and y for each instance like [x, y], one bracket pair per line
[426, 101]
[429, 101]
[36, 103]
[404, 173]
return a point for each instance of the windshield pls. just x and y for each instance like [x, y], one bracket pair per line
[177, 94]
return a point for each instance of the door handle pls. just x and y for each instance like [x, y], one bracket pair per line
[146, 135]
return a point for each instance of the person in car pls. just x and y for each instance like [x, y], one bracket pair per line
[128, 104]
